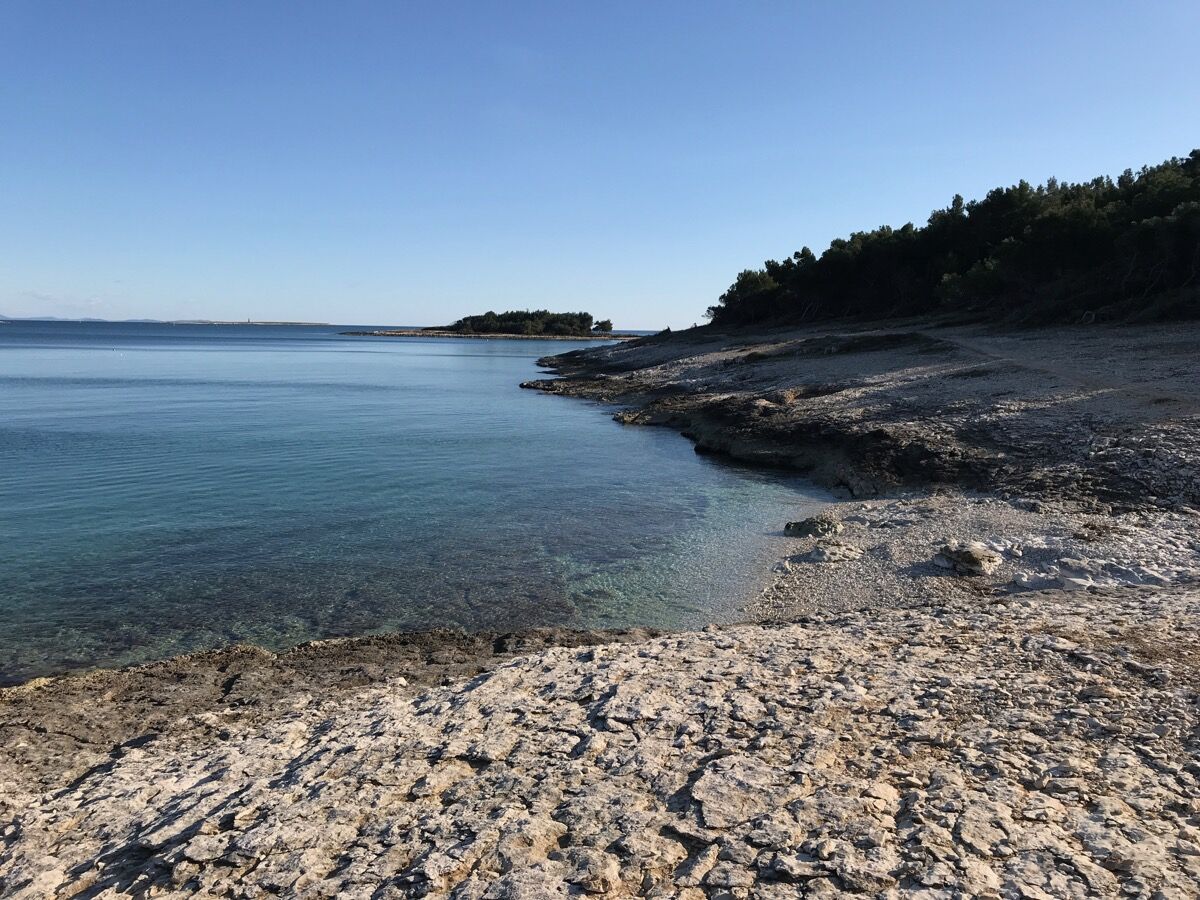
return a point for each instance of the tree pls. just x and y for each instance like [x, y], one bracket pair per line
[1100, 250]
[604, 326]
[527, 322]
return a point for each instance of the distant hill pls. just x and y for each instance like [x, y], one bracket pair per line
[46, 319]
[536, 322]
[1102, 250]
[152, 321]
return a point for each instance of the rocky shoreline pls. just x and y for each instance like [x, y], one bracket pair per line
[1071, 454]
[976, 675]
[57, 729]
[1104, 417]
[1042, 746]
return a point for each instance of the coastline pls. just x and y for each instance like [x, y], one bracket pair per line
[1042, 746]
[1048, 700]
[422, 332]
[58, 727]
[1073, 474]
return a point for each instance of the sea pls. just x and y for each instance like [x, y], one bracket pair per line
[171, 488]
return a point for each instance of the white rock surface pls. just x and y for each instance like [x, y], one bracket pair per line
[833, 550]
[968, 558]
[1057, 546]
[1042, 746]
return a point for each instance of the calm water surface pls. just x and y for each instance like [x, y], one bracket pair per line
[170, 488]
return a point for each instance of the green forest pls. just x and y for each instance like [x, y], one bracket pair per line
[541, 321]
[1104, 250]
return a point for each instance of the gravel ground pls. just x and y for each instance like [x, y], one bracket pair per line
[886, 552]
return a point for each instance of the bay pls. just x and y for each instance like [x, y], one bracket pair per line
[169, 488]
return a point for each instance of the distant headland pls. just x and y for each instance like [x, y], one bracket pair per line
[94, 321]
[521, 325]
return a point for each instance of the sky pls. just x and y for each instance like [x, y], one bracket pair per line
[410, 163]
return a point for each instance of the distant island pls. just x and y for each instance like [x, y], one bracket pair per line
[538, 324]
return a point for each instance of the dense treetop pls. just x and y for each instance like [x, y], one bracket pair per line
[539, 321]
[1102, 250]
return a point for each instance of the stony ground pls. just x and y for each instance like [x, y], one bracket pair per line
[884, 553]
[975, 675]
[53, 730]
[1104, 416]
[1041, 746]
[1073, 454]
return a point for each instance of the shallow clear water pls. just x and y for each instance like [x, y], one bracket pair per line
[170, 488]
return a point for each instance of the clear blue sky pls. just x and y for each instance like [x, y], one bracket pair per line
[412, 162]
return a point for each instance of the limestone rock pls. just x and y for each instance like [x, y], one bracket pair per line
[833, 550]
[972, 558]
[595, 871]
[816, 526]
[957, 750]
[735, 789]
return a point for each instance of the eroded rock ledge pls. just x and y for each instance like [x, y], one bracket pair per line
[55, 730]
[1042, 746]
[1106, 417]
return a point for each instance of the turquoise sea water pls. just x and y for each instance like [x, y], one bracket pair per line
[170, 488]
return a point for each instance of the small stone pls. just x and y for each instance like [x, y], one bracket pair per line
[794, 865]
[881, 790]
[817, 526]
[972, 558]
[825, 849]
[595, 871]
[692, 872]
[834, 551]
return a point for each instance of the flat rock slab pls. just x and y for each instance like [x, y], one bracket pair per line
[1044, 746]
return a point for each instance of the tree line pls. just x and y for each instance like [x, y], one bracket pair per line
[1102, 250]
[534, 322]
